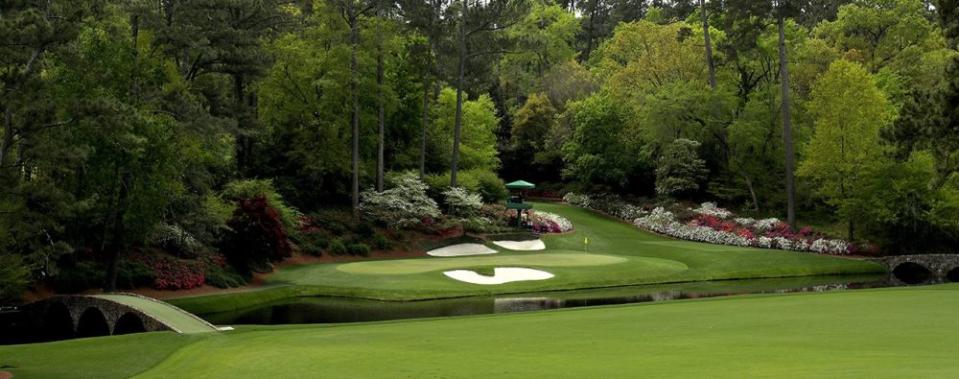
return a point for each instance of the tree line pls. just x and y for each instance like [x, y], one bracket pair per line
[119, 117]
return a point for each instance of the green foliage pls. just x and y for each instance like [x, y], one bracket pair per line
[845, 156]
[133, 274]
[543, 38]
[337, 248]
[14, 277]
[485, 182]
[221, 277]
[358, 249]
[679, 169]
[478, 147]
[601, 151]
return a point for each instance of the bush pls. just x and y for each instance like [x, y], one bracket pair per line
[462, 202]
[240, 190]
[133, 274]
[402, 206]
[337, 248]
[489, 186]
[313, 243]
[14, 277]
[173, 274]
[81, 276]
[380, 242]
[223, 277]
[175, 239]
[257, 236]
[358, 249]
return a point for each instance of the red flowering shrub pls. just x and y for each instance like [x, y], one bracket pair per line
[709, 221]
[172, 273]
[257, 236]
[746, 233]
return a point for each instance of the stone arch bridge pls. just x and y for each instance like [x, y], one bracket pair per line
[109, 314]
[934, 268]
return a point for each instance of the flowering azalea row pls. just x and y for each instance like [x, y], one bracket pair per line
[712, 224]
[545, 222]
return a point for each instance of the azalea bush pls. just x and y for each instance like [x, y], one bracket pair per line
[712, 224]
[403, 206]
[257, 236]
[173, 274]
[546, 222]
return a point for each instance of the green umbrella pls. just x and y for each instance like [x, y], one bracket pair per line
[520, 184]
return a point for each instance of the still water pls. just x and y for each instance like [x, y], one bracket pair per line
[312, 310]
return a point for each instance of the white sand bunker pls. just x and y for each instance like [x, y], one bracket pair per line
[501, 275]
[532, 245]
[462, 249]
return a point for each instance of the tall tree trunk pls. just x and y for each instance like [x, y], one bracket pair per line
[118, 238]
[427, 79]
[7, 143]
[709, 45]
[354, 87]
[380, 160]
[787, 126]
[460, 80]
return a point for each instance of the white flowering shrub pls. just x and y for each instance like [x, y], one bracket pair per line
[765, 224]
[462, 202]
[577, 200]
[402, 206]
[546, 222]
[747, 232]
[175, 238]
[826, 246]
[710, 209]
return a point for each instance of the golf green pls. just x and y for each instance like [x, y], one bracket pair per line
[619, 254]
[888, 333]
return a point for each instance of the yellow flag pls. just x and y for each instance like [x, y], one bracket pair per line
[586, 240]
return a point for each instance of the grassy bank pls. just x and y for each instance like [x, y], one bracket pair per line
[900, 332]
[619, 255]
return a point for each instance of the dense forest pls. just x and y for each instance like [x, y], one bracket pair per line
[131, 124]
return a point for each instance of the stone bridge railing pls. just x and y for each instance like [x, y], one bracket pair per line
[88, 316]
[936, 267]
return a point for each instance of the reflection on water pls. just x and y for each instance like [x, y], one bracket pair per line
[313, 310]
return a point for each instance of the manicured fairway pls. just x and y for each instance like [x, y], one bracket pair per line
[888, 333]
[619, 254]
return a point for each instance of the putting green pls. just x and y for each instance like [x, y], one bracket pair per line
[619, 255]
[418, 266]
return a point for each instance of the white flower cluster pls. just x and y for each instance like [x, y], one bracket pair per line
[402, 206]
[766, 224]
[564, 224]
[663, 222]
[710, 209]
[462, 202]
[824, 246]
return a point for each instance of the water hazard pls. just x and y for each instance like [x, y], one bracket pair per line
[312, 310]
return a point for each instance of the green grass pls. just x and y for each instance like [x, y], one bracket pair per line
[640, 258]
[887, 333]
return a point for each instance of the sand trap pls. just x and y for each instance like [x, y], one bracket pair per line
[532, 245]
[501, 275]
[461, 250]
